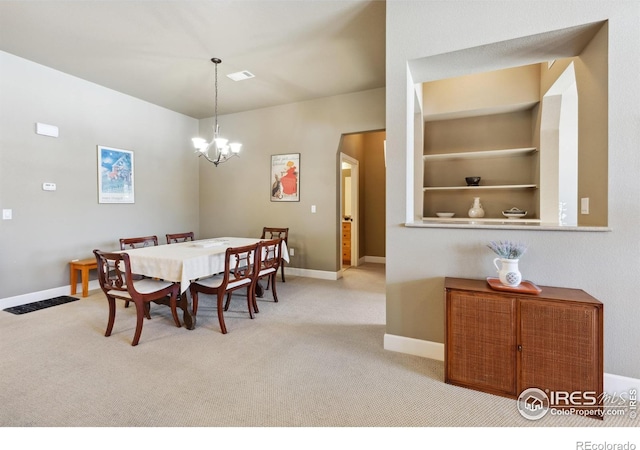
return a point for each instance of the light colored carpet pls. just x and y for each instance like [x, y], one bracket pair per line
[315, 359]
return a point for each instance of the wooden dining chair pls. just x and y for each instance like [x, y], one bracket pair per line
[137, 242]
[239, 272]
[117, 282]
[269, 253]
[272, 233]
[180, 237]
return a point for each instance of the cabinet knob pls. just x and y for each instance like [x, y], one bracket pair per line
[519, 348]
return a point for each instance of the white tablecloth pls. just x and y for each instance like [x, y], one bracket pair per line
[187, 261]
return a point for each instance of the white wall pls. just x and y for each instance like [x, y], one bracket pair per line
[604, 264]
[49, 229]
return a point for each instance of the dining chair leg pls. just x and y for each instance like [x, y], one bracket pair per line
[254, 300]
[112, 315]
[140, 311]
[250, 304]
[275, 294]
[147, 311]
[282, 270]
[223, 327]
[226, 304]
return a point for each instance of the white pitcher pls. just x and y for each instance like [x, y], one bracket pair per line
[508, 272]
[476, 210]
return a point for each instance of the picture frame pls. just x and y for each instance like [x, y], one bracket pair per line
[116, 182]
[285, 177]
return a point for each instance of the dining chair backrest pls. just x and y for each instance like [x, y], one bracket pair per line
[114, 271]
[239, 265]
[180, 237]
[272, 233]
[137, 242]
[269, 251]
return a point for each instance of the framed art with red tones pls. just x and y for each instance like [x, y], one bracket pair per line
[285, 177]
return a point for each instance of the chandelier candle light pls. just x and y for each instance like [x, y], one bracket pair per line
[219, 150]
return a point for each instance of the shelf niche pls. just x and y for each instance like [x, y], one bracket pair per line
[496, 147]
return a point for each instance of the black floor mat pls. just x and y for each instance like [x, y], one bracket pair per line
[42, 304]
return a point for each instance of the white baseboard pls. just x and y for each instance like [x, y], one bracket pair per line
[613, 384]
[320, 274]
[417, 347]
[31, 297]
[374, 259]
[617, 384]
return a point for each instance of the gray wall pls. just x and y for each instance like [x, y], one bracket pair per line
[604, 264]
[234, 197]
[49, 229]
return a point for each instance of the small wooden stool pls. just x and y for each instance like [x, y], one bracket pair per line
[83, 265]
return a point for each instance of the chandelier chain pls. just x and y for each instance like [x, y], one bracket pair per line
[216, 105]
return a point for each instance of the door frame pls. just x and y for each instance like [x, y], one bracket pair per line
[355, 168]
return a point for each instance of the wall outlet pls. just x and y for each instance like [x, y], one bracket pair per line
[292, 252]
[584, 205]
[7, 214]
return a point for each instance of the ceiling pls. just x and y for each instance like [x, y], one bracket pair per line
[160, 51]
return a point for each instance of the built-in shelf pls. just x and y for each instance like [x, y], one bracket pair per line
[480, 220]
[457, 188]
[480, 154]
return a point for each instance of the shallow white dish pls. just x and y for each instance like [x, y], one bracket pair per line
[445, 214]
[512, 215]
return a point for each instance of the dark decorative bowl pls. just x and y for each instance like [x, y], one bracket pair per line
[472, 181]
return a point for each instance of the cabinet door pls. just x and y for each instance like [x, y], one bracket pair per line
[481, 341]
[559, 346]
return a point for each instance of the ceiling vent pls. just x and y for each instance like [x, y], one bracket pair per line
[242, 75]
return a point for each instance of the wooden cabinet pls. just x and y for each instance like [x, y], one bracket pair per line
[346, 243]
[503, 342]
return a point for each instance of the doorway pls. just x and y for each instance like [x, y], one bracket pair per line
[349, 207]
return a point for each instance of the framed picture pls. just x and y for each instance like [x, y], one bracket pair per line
[285, 177]
[115, 175]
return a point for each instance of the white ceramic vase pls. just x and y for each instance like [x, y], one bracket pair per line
[508, 271]
[476, 210]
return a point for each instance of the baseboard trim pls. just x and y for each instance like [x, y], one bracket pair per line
[616, 384]
[375, 259]
[613, 384]
[31, 297]
[320, 274]
[411, 346]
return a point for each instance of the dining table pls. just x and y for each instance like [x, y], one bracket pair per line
[184, 262]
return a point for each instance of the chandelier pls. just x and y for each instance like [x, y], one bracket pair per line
[219, 150]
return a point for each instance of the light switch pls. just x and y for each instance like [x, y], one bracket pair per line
[48, 186]
[313, 208]
[7, 214]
